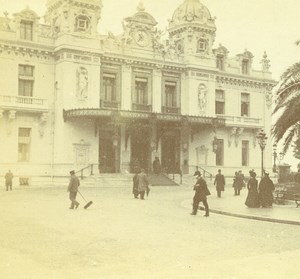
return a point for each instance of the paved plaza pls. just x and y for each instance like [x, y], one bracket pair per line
[121, 237]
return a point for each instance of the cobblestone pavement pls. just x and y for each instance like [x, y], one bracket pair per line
[121, 237]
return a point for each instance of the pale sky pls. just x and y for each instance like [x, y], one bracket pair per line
[256, 25]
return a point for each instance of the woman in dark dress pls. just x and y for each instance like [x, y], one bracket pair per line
[253, 197]
[266, 188]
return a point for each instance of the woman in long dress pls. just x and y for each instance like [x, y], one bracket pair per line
[266, 188]
[253, 196]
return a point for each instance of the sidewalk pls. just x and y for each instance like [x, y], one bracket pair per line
[231, 205]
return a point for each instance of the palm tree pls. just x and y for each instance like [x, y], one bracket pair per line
[287, 109]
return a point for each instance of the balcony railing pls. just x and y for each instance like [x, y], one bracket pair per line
[109, 104]
[19, 102]
[141, 107]
[174, 110]
[248, 121]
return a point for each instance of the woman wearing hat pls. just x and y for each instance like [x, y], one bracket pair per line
[266, 188]
[253, 197]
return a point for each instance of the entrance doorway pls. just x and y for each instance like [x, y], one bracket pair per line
[170, 151]
[140, 150]
[108, 154]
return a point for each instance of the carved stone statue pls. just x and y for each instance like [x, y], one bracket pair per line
[82, 83]
[202, 96]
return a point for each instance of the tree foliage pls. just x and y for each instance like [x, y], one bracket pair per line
[287, 110]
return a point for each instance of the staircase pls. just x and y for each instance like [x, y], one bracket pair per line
[108, 180]
[161, 180]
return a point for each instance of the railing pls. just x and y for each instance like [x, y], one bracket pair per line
[89, 168]
[141, 107]
[239, 119]
[109, 104]
[174, 110]
[205, 172]
[180, 175]
[23, 100]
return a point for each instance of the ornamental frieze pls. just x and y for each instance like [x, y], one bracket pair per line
[233, 83]
[26, 51]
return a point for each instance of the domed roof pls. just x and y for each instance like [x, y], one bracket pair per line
[192, 11]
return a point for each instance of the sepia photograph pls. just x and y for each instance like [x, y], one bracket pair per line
[149, 139]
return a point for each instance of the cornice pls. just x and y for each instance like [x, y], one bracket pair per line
[26, 44]
[26, 49]
[243, 80]
[133, 61]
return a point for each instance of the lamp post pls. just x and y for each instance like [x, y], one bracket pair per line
[261, 137]
[115, 142]
[276, 157]
[215, 145]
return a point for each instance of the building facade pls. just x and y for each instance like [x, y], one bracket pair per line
[72, 97]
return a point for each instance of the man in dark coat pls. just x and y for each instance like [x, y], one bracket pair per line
[266, 188]
[135, 190]
[201, 191]
[220, 183]
[73, 189]
[8, 180]
[156, 166]
[143, 184]
[239, 183]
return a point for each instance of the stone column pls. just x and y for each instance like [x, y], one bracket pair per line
[126, 86]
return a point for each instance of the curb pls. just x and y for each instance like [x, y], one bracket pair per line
[251, 217]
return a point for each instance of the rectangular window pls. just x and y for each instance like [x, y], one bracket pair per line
[24, 144]
[245, 104]
[220, 153]
[220, 102]
[245, 67]
[220, 62]
[170, 94]
[245, 153]
[26, 28]
[109, 87]
[141, 91]
[26, 80]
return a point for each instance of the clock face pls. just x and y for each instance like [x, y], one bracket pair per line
[141, 38]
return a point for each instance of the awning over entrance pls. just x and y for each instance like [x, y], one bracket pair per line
[122, 116]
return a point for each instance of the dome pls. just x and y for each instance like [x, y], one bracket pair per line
[192, 11]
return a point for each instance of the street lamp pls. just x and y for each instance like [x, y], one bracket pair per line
[215, 145]
[276, 157]
[261, 138]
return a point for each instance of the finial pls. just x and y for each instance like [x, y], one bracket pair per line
[265, 62]
[141, 7]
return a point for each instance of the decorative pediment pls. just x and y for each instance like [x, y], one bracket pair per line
[27, 14]
[246, 55]
[221, 50]
[142, 17]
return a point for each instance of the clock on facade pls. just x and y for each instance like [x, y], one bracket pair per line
[141, 38]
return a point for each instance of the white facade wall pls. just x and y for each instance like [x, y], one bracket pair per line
[59, 145]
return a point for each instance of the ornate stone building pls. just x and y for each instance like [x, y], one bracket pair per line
[72, 97]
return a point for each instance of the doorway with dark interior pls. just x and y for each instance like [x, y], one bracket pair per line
[140, 150]
[170, 151]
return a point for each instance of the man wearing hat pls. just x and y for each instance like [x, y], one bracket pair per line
[73, 189]
[201, 191]
[219, 182]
